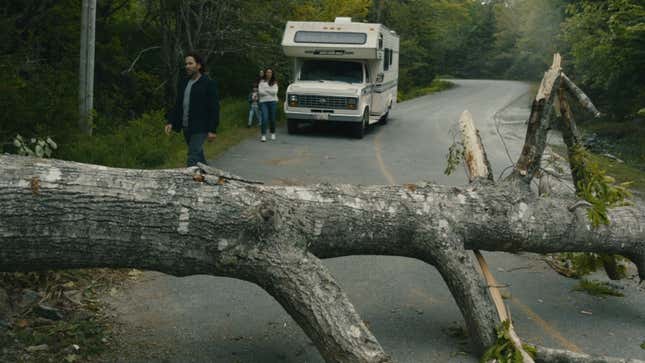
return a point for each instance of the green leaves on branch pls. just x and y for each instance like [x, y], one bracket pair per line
[503, 351]
[455, 156]
[41, 148]
[596, 288]
[597, 188]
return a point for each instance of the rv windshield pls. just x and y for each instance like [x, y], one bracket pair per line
[318, 70]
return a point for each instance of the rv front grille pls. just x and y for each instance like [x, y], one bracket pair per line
[328, 102]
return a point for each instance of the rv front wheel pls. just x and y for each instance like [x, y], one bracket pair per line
[358, 130]
[292, 126]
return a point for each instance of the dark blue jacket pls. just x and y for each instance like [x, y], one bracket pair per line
[203, 115]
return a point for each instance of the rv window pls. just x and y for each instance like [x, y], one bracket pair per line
[330, 38]
[320, 70]
[380, 41]
[386, 61]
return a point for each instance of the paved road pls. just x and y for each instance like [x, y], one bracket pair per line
[405, 302]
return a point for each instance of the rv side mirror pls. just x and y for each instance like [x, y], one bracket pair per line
[379, 77]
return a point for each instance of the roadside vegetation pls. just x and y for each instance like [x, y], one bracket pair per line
[596, 288]
[437, 85]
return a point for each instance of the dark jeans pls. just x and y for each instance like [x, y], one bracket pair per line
[268, 110]
[195, 144]
[254, 112]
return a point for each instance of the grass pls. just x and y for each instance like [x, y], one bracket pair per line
[622, 172]
[627, 171]
[437, 85]
[596, 288]
[231, 131]
[624, 138]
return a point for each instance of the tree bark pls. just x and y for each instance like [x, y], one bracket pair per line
[548, 355]
[86, 67]
[539, 124]
[56, 214]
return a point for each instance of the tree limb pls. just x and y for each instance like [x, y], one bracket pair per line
[134, 62]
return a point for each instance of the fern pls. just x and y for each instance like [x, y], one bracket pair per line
[503, 351]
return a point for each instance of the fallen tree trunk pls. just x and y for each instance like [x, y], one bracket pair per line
[56, 214]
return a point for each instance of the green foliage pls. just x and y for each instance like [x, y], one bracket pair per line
[141, 143]
[437, 85]
[597, 188]
[428, 30]
[596, 288]
[503, 351]
[40, 148]
[607, 51]
[328, 10]
[455, 156]
[578, 264]
[527, 37]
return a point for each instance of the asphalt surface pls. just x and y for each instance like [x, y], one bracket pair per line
[405, 302]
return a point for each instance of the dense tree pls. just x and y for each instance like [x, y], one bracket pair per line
[606, 41]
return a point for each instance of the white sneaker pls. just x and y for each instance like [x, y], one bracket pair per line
[263, 138]
[272, 136]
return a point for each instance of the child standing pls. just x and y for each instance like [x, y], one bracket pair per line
[254, 110]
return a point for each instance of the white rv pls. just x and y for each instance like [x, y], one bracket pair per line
[343, 72]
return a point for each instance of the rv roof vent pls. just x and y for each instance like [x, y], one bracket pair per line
[342, 20]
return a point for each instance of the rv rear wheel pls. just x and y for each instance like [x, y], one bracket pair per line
[292, 126]
[383, 119]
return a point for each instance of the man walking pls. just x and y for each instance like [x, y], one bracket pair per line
[196, 111]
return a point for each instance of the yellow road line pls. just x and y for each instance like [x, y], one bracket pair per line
[543, 324]
[548, 328]
[379, 159]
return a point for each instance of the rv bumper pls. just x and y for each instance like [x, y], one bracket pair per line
[323, 116]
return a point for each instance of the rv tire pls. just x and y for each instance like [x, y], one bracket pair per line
[358, 130]
[383, 120]
[292, 126]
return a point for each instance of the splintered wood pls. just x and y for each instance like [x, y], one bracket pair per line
[474, 155]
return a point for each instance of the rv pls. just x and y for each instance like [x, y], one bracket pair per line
[344, 71]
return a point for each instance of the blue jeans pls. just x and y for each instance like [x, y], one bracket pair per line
[195, 144]
[268, 116]
[254, 112]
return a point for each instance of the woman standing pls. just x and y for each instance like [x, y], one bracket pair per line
[268, 91]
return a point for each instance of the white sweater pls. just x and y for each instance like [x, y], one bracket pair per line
[268, 93]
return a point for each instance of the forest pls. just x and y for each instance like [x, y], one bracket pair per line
[140, 43]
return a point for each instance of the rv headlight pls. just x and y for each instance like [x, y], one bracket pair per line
[351, 103]
[293, 100]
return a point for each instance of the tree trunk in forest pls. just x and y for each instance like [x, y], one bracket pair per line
[86, 67]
